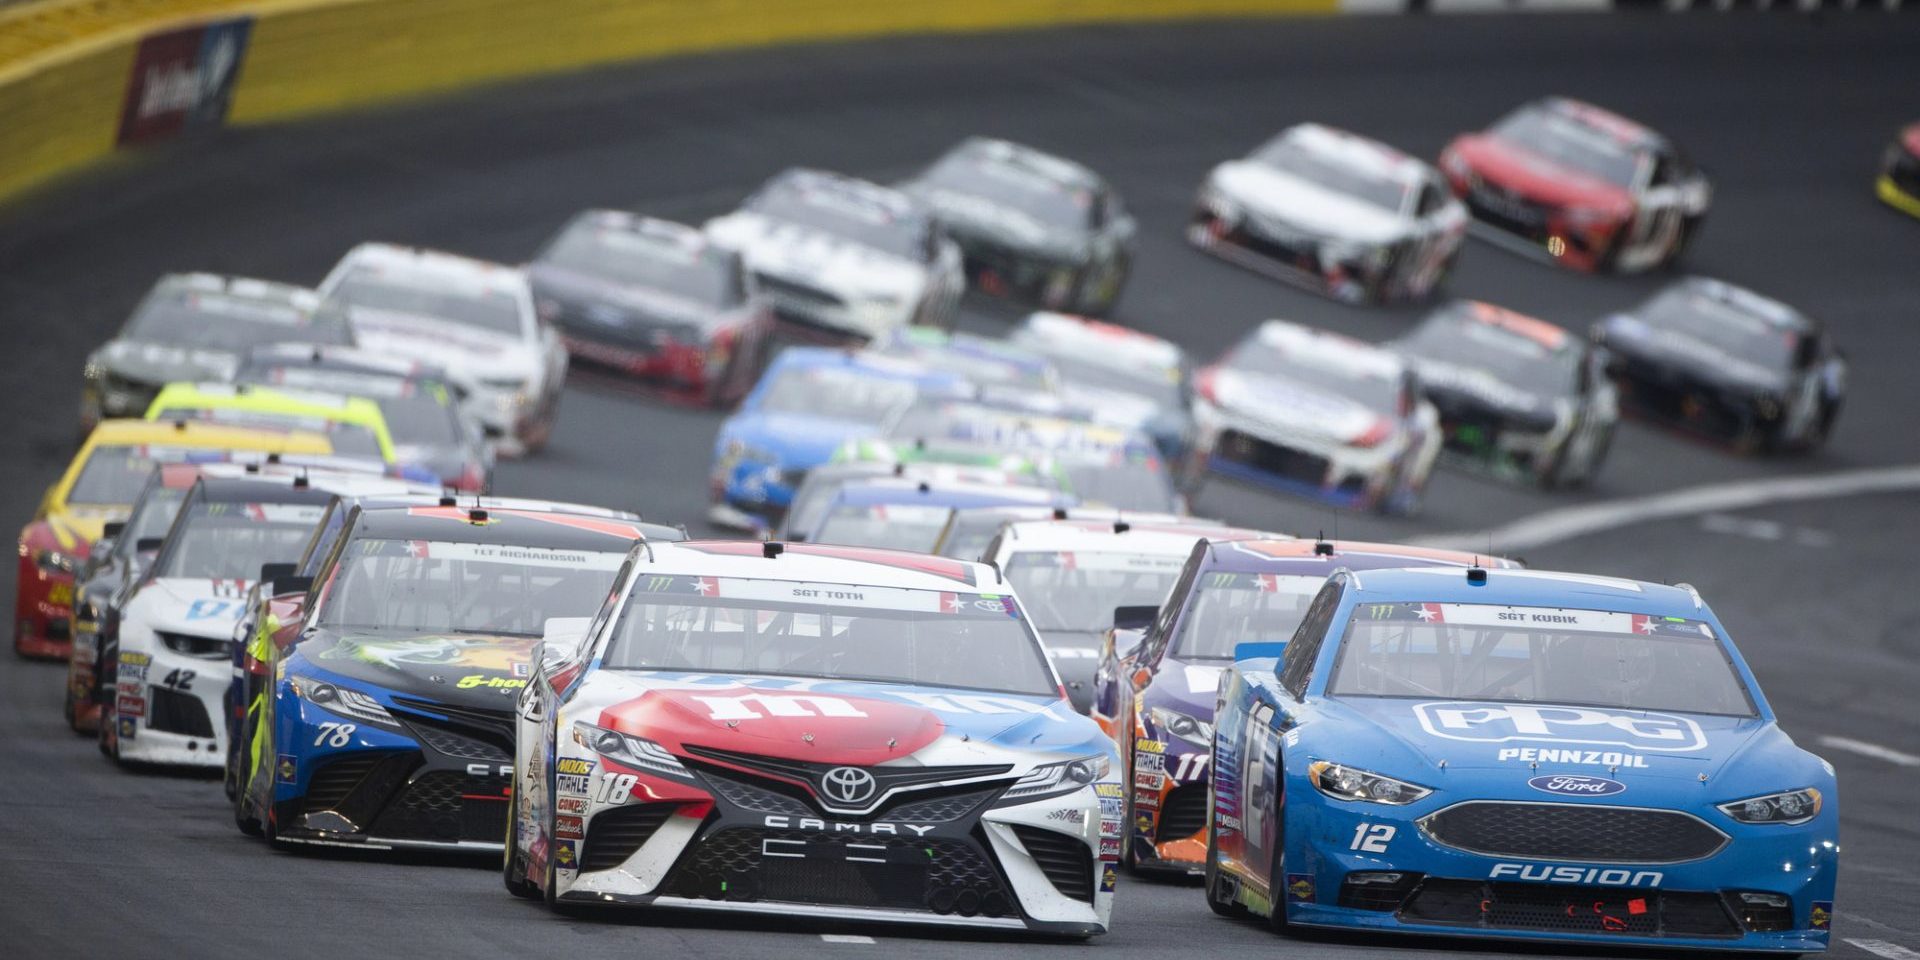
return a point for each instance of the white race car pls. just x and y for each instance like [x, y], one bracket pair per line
[1343, 214]
[809, 730]
[471, 317]
[843, 256]
[1318, 414]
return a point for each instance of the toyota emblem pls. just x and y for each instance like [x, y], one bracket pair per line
[847, 785]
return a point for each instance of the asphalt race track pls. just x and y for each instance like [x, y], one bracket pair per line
[1788, 114]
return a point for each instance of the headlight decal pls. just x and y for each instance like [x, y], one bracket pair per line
[1342, 782]
[1061, 777]
[1788, 807]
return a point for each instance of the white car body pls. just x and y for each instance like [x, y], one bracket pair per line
[515, 378]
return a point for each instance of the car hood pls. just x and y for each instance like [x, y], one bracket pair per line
[161, 363]
[803, 255]
[1305, 205]
[1187, 686]
[440, 342]
[480, 671]
[1513, 167]
[617, 304]
[834, 722]
[204, 608]
[1628, 335]
[1291, 406]
[968, 216]
[799, 439]
[1457, 390]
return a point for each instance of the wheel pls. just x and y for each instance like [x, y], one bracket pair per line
[242, 819]
[109, 733]
[1216, 889]
[246, 822]
[513, 871]
[1100, 289]
[1277, 870]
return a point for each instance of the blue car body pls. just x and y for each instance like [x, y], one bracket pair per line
[1542, 820]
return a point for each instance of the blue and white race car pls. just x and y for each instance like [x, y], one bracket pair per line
[809, 402]
[1521, 755]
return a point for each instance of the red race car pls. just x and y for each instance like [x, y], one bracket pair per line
[1583, 186]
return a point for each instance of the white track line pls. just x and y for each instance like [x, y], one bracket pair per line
[1553, 526]
[856, 938]
[1892, 951]
[1873, 750]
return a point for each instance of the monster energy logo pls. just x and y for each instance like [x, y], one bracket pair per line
[1380, 611]
[1220, 580]
[657, 583]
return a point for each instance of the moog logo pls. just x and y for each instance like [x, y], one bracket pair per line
[1574, 785]
[1498, 723]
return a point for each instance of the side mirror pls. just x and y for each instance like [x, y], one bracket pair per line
[1134, 618]
[270, 572]
[148, 544]
[291, 586]
[1260, 650]
[1141, 677]
[113, 530]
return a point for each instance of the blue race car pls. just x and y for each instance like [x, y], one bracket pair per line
[1520, 755]
[809, 402]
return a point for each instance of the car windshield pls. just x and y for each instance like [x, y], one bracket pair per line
[837, 393]
[348, 439]
[224, 322]
[114, 475]
[154, 516]
[1570, 143]
[978, 361]
[1725, 326]
[1136, 484]
[1314, 371]
[495, 311]
[971, 530]
[229, 541]
[1010, 184]
[849, 216]
[1546, 365]
[428, 586]
[835, 631]
[689, 270]
[1160, 385]
[1297, 158]
[1486, 652]
[1076, 590]
[1228, 609]
[417, 412]
[913, 527]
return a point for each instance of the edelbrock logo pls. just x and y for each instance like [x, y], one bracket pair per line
[1499, 723]
[1575, 785]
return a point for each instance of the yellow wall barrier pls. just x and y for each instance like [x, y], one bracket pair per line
[65, 65]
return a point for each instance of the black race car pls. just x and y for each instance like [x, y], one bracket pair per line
[1032, 226]
[1728, 363]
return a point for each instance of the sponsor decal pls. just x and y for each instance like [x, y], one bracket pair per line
[1822, 916]
[130, 706]
[1111, 807]
[1299, 888]
[572, 765]
[1597, 758]
[1575, 785]
[569, 828]
[566, 855]
[205, 609]
[1074, 816]
[784, 822]
[132, 659]
[1108, 791]
[573, 784]
[1227, 821]
[570, 806]
[473, 680]
[1500, 723]
[1109, 875]
[1146, 800]
[183, 79]
[1109, 847]
[128, 728]
[1150, 746]
[1149, 763]
[1149, 781]
[1143, 823]
[1589, 876]
[287, 769]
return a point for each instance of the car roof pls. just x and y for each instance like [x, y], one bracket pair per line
[890, 490]
[1531, 588]
[345, 482]
[1065, 331]
[247, 288]
[865, 362]
[1120, 535]
[331, 357]
[1301, 557]
[1631, 133]
[1060, 170]
[893, 202]
[216, 489]
[819, 563]
[1548, 335]
[438, 268]
[552, 529]
[1759, 306]
[1353, 356]
[1354, 150]
[200, 434]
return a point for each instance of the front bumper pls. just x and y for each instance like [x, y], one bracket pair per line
[1234, 447]
[1294, 257]
[43, 612]
[1168, 832]
[1536, 229]
[168, 706]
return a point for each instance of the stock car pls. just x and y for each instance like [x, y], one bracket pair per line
[1000, 369]
[1586, 187]
[1347, 216]
[909, 512]
[1158, 696]
[1724, 362]
[1076, 576]
[1318, 414]
[1518, 755]
[969, 530]
[654, 300]
[354, 426]
[1899, 182]
[388, 722]
[1030, 225]
[422, 405]
[1117, 375]
[810, 401]
[473, 317]
[197, 326]
[1517, 396]
[808, 730]
[97, 488]
[844, 258]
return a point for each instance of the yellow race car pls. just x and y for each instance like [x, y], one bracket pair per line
[1899, 182]
[354, 425]
[96, 489]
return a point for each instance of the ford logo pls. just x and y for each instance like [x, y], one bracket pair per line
[1574, 785]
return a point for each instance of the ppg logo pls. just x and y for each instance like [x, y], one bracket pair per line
[1499, 723]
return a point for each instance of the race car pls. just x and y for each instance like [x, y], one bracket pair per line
[1517, 396]
[1002, 369]
[473, 317]
[1521, 755]
[1155, 694]
[872, 460]
[970, 529]
[1030, 225]
[810, 401]
[354, 426]
[908, 512]
[1724, 362]
[166, 663]
[1336, 212]
[422, 405]
[653, 300]
[1899, 182]
[97, 488]
[1073, 574]
[808, 730]
[1584, 187]
[1117, 376]
[1317, 414]
[388, 723]
[843, 259]
[197, 326]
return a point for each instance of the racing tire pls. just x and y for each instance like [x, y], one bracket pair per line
[1231, 909]
[1277, 872]
[1098, 301]
[245, 823]
[513, 871]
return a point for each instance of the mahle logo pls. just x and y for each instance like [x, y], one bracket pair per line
[1499, 723]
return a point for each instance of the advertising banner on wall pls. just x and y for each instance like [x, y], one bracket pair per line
[183, 79]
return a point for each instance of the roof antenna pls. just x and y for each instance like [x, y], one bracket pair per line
[1059, 513]
[447, 498]
[772, 548]
[899, 468]
[1321, 547]
[1121, 526]
[1476, 574]
[301, 482]
[925, 487]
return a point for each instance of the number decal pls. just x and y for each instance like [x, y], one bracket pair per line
[615, 787]
[1372, 837]
[1192, 766]
[181, 680]
[335, 734]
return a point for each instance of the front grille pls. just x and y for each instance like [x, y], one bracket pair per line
[1183, 814]
[938, 874]
[332, 783]
[1575, 832]
[613, 836]
[1380, 890]
[188, 645]
[456, 744]
[59, 630]
[1067, 861]
[447, 806]
[174, 712]
[1509, 211]
[1279, 241]
[940, 809]
[749, 797]
[908, 780]
[1284, 462]
[1575, 910]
